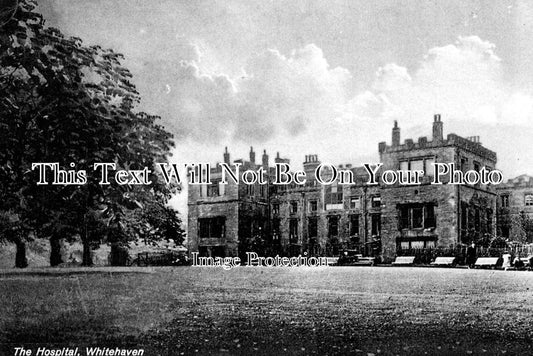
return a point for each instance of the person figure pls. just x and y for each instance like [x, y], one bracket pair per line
[471, 255]
[518, 263]
[506, 261]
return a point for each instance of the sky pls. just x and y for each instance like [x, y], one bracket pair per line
[321, 77]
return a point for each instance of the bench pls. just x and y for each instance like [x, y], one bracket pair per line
[487, 262]
[404, 260]
[366, 261]
[444, 261]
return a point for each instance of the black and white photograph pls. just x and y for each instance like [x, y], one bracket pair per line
[266, 177]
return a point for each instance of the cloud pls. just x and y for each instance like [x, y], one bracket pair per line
[275, 95]
[280, 96]
[462, 81]
[299, 104]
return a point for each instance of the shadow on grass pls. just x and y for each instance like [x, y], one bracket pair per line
[240, 335]
[65, 330]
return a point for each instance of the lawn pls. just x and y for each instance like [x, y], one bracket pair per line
[262, 311]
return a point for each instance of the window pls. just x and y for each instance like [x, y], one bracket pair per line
[355, 203]
[294, 207]
[376, 201]
[417, 219]
[275, 228]
[312, 227]
[477, 166]
[417, 216]
[529, 199]
[354, 225]
[429, 169]
[418, 164]
[313, 206]
[333, 197]
[275, 208]
[211, 227]
[293, 230]
[464, 164]
[333, 226]
[505, 201]
[429, 216]
[213, 189]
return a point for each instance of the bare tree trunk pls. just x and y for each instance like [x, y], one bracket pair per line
[119, 255]
[87, 257]
[55, 251]
[20, 258]
[114, 255]
[87, 254]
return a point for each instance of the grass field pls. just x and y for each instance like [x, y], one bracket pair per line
[335, 310]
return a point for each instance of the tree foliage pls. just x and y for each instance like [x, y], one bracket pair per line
[62, 101]
[522, 228]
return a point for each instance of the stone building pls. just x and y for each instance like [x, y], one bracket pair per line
[515, 209]
[436, 215]
[223, 216]
[376, 219]
[326, 219]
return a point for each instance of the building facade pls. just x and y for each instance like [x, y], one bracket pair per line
[515, 209]
[378, 220]
[224, 217]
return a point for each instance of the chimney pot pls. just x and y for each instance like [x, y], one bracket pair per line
[226, 156]
[252, 155]
[395, 134]
[265, 159]
[437, 128]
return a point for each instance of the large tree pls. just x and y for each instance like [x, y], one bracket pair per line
[62, 101]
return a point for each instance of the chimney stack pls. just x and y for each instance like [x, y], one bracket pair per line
[437, 128]
[252, 155]
[265, 159]
[310, 165]
[226, 156]
[395, 134]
